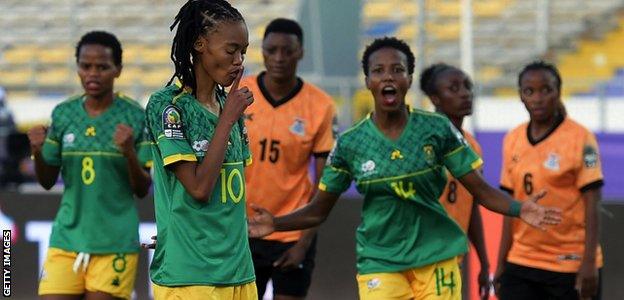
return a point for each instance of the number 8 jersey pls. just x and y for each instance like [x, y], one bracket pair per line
[97, 212]
[199, 243]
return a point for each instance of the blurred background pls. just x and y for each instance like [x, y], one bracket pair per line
[490, 39]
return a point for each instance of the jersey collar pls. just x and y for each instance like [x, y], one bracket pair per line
[277, 102]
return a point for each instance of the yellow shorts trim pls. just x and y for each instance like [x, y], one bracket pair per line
[439, 281]
[109, 273]
[246, 291]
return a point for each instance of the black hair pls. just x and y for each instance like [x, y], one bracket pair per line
[102, 38]
[541, 65]
[281, 25]
[388, 42]
[429, 77]
[195, 18]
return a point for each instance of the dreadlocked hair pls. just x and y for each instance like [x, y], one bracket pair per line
[196, 18]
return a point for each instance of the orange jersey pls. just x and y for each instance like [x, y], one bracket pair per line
[456, 199]
[564, 163]
[283, 138]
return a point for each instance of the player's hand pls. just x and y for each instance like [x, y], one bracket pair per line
[237, 100]
[261, 224]
[587, 280]
[484, 283]
[152, 245]
[537, 215]
[36, 136]
[124, 138]
[292, 258]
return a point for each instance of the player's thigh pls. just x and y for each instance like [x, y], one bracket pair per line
[57, 276]
[295, 282]
[514, 285]
[113, 274]
[206, 292]
[388, 286]
[439, 281]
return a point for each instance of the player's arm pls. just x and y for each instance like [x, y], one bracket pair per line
[46, 174]
[495, 200]
[505, 244]
[139, 178]
[587, 279]
[475, 233]
[296, 254]
[311, 215]
[199, 178]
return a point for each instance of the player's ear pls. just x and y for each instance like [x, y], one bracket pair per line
[199, 44]
[367, 81]
[119, 68]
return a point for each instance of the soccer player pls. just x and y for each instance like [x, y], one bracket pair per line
[289, 124]
[199, 155]
[551, 152]
[450, 91]
[97, 143]
[407, 245]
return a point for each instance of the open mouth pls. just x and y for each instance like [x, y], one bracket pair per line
[389, 95]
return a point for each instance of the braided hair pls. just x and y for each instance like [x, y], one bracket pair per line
[540, 65]
[196, 18]
[429, 77]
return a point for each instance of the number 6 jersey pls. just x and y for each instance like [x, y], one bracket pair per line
[565, 163]
[97, 212]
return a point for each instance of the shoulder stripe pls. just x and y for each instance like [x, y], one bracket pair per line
[340, 170]
[51, 141]
[455, 151]
[91, 153]
[358, 124]
[400, 176]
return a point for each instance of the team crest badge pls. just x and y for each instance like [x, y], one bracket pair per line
[298, 127]
[429, 154]
[590, 156]
[172, 123]
[552, 162]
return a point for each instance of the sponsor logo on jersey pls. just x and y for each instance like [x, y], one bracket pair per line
[298, 127]
[590, 156]
[368, 167]
[552, 162]
[90, 131]
[373, 283]
[68, 139]
[429, 154]
[571, 256]
[172, 123]
[200, 147]
[396, 154]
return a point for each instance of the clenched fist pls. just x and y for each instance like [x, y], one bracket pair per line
[124, 139]
[37, 136]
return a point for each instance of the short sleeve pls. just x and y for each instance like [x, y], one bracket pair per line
[168, 127]
[52, 146]
[506, 178]
[337, 174]
[325, 137]
[457, 156]
[590, 168]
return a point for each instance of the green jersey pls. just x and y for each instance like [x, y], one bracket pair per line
[199, 243]
[97, 213]
[403, 224]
